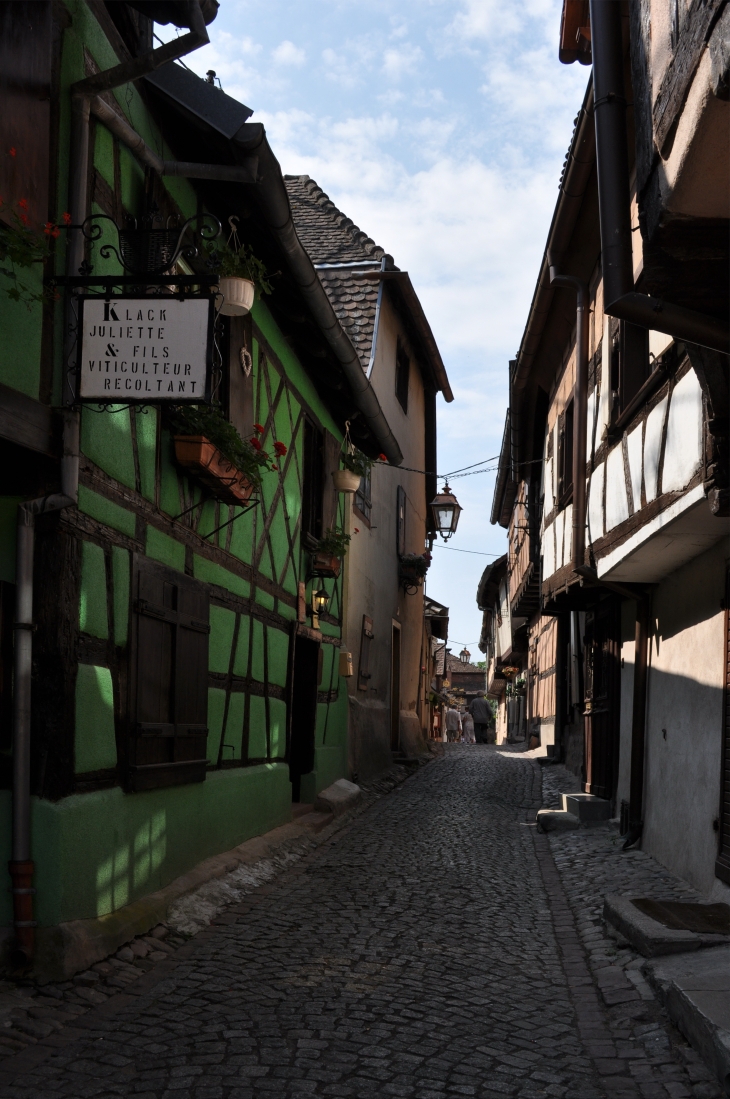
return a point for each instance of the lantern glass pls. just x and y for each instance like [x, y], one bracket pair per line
[445, 510]
[320, 599]
[464, 656]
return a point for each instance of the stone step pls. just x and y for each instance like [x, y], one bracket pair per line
[587, 808]
[556, 820]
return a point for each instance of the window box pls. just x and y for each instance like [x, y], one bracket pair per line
[326, 564]
[204, 461]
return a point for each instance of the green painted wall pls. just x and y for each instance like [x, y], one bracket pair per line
[95, 745]
[93, 601]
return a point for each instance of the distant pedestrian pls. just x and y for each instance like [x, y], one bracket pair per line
[481, 713]
[453, 724]
[467, 729]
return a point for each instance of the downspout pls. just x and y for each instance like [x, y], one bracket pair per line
[21, 866]
[638, 722]
[612, 164]
[580, 412]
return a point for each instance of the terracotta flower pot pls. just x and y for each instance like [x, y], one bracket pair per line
[203, 459]
[326, 564]
[238, 295]
[345, 480]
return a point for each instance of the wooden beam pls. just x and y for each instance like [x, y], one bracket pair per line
[27, 422]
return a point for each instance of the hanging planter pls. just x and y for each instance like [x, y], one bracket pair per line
[331, 548]
[236, 296]
[346, 480]
[412, 568]
[204, 460]
[326, 565]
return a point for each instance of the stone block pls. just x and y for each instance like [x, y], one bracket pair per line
[556, 820]
[338, 798]
[647, 935]
[587, 808]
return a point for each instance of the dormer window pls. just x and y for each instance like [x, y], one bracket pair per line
[402, 372]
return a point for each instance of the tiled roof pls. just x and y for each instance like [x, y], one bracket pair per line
[332, 238]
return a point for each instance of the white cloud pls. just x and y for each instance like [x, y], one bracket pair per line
[286, 53]
[398, 63]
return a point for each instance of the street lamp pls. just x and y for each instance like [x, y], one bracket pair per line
[320, 599]
[445, 510]
[464, 656]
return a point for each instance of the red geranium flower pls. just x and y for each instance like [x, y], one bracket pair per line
[12, 150]
[258, 428]
[275, 469]
[23, 203]
[383, 457]
[279, 449]
[66, 218]
[357, 530]
[255, 443]
[25, 219]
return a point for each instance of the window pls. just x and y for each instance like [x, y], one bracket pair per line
[363, 670]
[401, 521]
[312, 482]
[629, 363]
[402, 372]
[565, 455]
[168, 734]
[363, 497]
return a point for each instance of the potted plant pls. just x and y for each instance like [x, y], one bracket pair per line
[241, 275]
[357, 465]
[21, 248]
[331, 548]
[210, 448]
[412, 568]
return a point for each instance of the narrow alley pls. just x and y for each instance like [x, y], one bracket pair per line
[430, 949]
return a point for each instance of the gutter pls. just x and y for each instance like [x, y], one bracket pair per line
[621, 298]
[21, 866]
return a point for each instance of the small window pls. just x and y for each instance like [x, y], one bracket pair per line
[402, 372]
[363, 497]
[363, 670]
[629, 363]
[168, 735]
[312, 482]
[401, 521]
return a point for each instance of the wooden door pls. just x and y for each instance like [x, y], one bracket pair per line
[601, 711]
[303, 710]
[722, 866]
[395, 691]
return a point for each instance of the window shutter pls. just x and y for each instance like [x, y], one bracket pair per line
[312, 481]
[363, 671]
[330, 496]
[401, 521]
[170, 660]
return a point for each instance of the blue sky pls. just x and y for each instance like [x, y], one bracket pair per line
[440, 128]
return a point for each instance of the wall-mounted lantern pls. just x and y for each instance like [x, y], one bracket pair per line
[464, 656]
[320, 599]
[445, 509]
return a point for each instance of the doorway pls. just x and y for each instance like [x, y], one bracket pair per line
[395, 690]
[302, 710]
[602, 685]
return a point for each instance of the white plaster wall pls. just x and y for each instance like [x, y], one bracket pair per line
[568, 534]
[683, 448]
[604, 400]
[652, 448]
[617, 508]
[559, 526]
[634, 446]
[595, 503]
[682, 776]
[548, 551]
[591, 417]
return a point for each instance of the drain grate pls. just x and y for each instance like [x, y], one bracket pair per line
[703, 919]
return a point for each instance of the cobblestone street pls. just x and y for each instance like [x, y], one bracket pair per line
[436, 947]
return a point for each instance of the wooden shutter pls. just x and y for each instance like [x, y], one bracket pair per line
[722, 866]
[363, 670]
[312, 481]
[170, 682]
[330, 496]
[401, 521]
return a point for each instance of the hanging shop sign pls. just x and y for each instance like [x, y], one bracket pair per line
[146, 349]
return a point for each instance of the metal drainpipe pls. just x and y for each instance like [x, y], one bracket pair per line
[638, 721]
[21, 866]
[612, 166]
[580, 412]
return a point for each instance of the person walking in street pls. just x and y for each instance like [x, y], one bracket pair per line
[481, 713]
[453, 724]
[467, 729]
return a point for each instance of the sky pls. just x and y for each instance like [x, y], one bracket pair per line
[440, 128]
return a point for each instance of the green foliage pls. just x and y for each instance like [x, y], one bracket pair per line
[354, 459]
[241, 263]
[415, 564]
[208, 420]
[21, 247]
[334, 542]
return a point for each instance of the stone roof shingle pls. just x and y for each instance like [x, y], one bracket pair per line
[330, 237]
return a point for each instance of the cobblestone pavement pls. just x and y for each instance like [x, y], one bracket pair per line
[428, 950]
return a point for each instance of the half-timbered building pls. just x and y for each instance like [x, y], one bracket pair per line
[616, 446]
[184, 686]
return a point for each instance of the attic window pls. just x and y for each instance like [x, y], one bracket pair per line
[402, 372]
